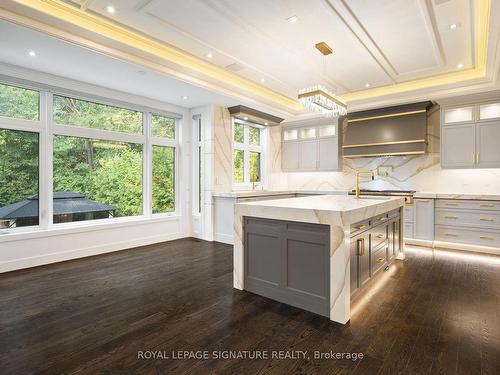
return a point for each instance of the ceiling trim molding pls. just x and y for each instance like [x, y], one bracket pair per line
[105, 28]
[481, 26]
[347, 16]
[100, 26]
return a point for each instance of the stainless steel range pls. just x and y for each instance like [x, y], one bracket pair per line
[407, 194]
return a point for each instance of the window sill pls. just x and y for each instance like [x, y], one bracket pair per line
[81, 227]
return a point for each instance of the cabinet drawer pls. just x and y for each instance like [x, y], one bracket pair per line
[393, 213]
[378, 260]
[379, 219]
[489, 219]
[468, 204]
[360, 227]
[378, 235]
[468, 236]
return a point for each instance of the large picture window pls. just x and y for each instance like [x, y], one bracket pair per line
[18, 178]
[19, 103]
[107, 161]
[247, 155]
[82, 113]
[95, 179]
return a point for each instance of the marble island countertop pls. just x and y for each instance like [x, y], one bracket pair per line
[348, 209]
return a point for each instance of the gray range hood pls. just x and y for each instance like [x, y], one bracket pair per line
[400, 130]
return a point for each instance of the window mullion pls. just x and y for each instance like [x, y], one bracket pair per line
[45, 185]
[147, 169]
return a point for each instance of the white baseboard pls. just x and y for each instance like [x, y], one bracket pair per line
[40, 260]
[224, 238]
[465, 247]
[454, 246]
[413, 241]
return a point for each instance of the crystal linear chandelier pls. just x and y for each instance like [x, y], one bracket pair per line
[320, 99]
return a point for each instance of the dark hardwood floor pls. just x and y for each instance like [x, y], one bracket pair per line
[435, 313]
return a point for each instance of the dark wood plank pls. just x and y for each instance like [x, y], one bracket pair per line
[434, 313]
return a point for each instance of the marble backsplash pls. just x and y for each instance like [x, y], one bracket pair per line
[420, 173]
[416, 172]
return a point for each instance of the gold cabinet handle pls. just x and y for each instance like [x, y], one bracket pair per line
[451, 217]
[380, 260]
[474, 158]
[477, 158]
[380, 236]
[362, 226]
[450, 235]
[486, 219]
[450, 204]
[361, 246]
[487, 205]
[486, 238]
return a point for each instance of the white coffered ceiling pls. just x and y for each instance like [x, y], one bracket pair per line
[377, 44]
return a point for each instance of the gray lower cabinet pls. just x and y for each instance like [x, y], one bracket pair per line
[374, 244]
[394, 238]
[288, 262]
[424, 219]
[473, 222]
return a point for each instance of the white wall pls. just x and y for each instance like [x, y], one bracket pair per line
[36, 247]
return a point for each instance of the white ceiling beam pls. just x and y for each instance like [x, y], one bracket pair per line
[347, 16]
[429, 16]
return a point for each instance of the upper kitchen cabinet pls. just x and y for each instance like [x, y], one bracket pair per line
[311, 145]
[470, 136]
[458, 148]
[458, 115]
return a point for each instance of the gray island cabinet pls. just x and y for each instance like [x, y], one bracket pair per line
[315, 253]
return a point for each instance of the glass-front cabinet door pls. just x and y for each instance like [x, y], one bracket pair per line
[458, 115]
[490, 111]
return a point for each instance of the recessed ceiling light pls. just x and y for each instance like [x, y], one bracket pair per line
[209, 55]
[185, 97]
[262, 80]
[266, 123]
[292, 19]
[32, 53]
[460, 66]
[110, 9]
[245, 118]
[453, 26]
[367, 85]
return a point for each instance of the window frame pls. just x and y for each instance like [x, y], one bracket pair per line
[198, 172]
[47, 129]
[246, 147]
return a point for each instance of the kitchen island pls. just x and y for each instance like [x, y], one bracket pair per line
[312, 252]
